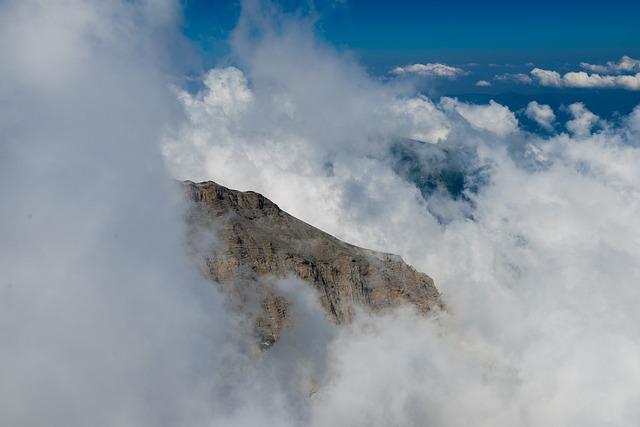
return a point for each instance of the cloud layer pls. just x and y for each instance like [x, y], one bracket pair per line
[580, 79]
[105, 321]
[626, 64]
[538, 264]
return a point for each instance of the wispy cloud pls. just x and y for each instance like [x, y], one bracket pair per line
[430, 70]
[513, 77]
[626, 64]
[542, 114]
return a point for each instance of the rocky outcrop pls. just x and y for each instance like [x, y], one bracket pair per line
[245, 242]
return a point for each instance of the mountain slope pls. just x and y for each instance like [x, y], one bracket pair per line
[255, 242]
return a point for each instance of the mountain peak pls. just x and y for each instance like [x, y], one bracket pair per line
[257, 242]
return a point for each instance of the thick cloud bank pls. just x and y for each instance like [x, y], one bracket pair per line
[537, 262]
[104, 321]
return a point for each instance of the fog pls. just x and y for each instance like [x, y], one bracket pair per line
[106, 320]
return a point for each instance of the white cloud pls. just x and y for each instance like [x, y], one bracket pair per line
[483, 83]
[430, 70]
[493, 117]
[583, 120]
[540, 283]
[541, 114]
[232, 94]
[530, 280]
[581, 79]
[517, 78]
[425, 122]
[633, 121]
[626, 64]
[547, 77]
[104, 321]
[628, 82]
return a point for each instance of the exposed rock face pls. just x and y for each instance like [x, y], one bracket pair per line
[257, 242]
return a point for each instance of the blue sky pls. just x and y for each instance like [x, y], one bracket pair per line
[499, 37]
[462, 27]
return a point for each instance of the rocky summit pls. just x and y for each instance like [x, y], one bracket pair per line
[245, 242]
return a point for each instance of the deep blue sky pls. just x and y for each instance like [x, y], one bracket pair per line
[462, 28]
[552, 34]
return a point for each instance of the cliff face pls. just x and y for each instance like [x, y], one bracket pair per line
[256, 242]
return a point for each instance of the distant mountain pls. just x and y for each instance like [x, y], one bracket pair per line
[244, 241]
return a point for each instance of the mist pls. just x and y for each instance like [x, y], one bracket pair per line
[106, 320]
[103, 321]
[536, 257]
